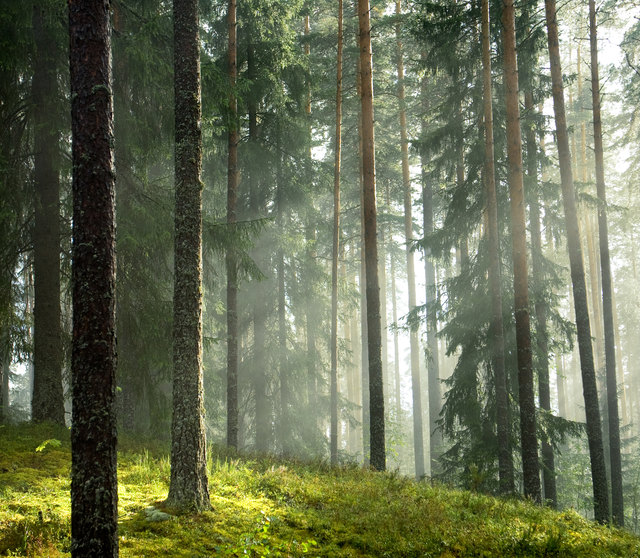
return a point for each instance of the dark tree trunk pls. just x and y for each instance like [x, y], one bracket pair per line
[617, 507]
[505, 457]
[376, 394]
[416, 391]
[48, 401]
[594, 428]
[188, 488]
[529, 440]
[232, 270]
[336, 249]
[94, 490]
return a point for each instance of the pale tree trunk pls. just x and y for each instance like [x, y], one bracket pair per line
[505, 457]
[376, 394]
[529, 440]
[336, 249]
[94, 485]
[48, 402]
[416, 391]
[259, 372]
[617, 507]
[231, 263]
[594, 431]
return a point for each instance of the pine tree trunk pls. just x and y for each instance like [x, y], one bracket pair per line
[336, 249]
[231, 264]
[540, 306]
[416, 391]
[376, 394]
[594, 431]
[528, 434]
[48, 402]
[617, 507]
[189, 485]
[505, 457]
[94, 490]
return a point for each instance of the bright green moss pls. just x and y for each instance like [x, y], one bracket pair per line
[271, 508]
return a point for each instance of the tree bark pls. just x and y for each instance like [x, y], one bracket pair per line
[231, 264]
[505, 457]
[617, 507]
[48, 401]
[528, 433]
[94, 490]
[594, 431]
[336, 248]
[376, 395]
[188, 487]
[416, 391]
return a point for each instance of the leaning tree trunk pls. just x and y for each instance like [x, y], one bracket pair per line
[232, 268]
[336, 249]
[94, 490]
[376, 394]
[416, 392]
[617, 507]
[505, 457]
[594, 429]
[529, 440]
[48, 401]
[188, 488]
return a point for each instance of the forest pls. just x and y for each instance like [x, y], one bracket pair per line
[266, 265]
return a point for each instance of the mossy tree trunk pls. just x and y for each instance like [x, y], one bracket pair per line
[94, 490]
[592, 410]
[48, 402]
[505, 457]
[188, 487]
[617, 507]
[376, 394]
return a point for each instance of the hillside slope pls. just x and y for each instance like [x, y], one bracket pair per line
[269, 507]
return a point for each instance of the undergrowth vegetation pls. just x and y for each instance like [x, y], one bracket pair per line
[267, 507]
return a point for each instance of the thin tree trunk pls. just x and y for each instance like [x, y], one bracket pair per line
[505, 457]
[416, 391]
[48, 401]
[540, 306]
[94, 485]
[594, 431]
[617, 507]
[562, 386]
[376, 394]
[336, 248]
[232, 207]
[529, 440]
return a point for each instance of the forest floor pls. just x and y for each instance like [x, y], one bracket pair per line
[272, 507]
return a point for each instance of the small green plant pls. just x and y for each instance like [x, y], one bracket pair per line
[50, 443]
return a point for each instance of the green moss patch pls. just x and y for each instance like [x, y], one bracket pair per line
[268, 507]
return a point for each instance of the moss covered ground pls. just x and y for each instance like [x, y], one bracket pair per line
[269, 507]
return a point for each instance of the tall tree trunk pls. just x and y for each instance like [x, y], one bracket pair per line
[540, 306]
[505, 457]
[594, 430]
[416, 391]
[94, 485]
[48, 402]
[617, 507]
[376, 394]
[529, 440]
[189, 485]
[231, 263]
[336, 248]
